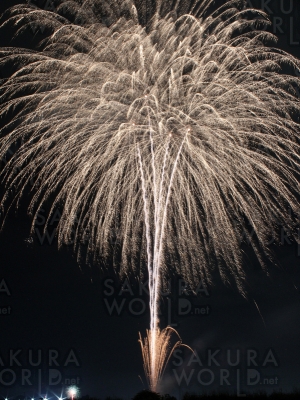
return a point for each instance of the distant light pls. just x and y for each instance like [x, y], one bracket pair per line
[73, 391]
[60, 398]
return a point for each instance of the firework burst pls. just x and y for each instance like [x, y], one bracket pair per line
[177, 126]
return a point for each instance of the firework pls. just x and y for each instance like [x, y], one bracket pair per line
[156, 358]
[178, 127]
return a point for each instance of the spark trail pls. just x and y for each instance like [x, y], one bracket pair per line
[156, 340]
[176, 123]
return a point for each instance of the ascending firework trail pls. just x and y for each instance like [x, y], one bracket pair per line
[175, 123]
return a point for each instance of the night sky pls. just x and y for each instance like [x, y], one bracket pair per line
[53, 305]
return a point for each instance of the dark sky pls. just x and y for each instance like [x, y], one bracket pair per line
[54, 306]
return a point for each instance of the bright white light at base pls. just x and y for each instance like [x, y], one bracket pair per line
[72, 391]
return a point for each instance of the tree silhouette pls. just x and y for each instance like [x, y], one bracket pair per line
[147, 395]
